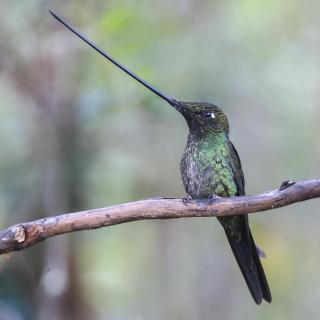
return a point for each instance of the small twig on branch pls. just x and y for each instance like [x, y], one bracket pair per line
[24, 235]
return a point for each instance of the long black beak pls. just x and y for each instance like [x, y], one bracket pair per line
[170, 100]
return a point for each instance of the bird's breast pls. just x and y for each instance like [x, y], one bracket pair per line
[206, 170]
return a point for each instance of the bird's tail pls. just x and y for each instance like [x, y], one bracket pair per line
[247, 256]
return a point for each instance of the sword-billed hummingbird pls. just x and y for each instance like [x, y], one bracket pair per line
[210, 166]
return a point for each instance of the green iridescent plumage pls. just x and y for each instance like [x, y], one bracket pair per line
[211, 166]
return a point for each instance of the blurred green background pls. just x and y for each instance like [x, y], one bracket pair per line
[76, 133]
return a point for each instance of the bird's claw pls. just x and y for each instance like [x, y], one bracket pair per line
[212, 198]
[186, 199]
[286, 184]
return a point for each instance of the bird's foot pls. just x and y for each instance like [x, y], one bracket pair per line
[286, 184]
[212, 198]
[186, 199]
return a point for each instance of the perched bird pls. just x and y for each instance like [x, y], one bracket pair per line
[210, 166]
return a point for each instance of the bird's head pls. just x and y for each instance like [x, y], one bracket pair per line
[202, 117]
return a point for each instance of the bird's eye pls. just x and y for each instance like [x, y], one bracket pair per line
[209, 115]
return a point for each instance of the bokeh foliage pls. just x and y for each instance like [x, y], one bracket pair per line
[77, 133]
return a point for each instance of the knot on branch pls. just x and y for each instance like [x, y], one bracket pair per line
[19, 233]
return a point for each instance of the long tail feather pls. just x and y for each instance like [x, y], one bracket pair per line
[248, 260]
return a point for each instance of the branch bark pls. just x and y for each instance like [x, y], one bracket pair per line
[24, 235]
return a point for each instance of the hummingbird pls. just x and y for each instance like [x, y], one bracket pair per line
[210, 167]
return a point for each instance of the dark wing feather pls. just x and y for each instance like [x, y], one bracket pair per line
[237, 169]
[245, 250]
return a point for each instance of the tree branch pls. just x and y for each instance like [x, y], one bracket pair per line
[24, 235]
